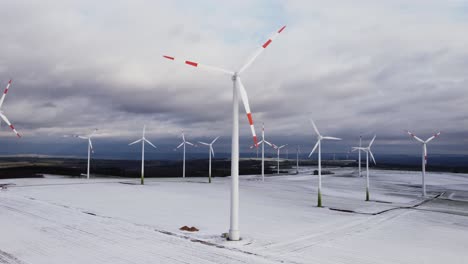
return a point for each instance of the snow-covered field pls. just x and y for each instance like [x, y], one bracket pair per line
[64, 220]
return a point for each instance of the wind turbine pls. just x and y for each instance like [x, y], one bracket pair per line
[184, 142]
[143, 140]
[210, 152]
[424, 157]
[2, 115]
[234, 233]
[368, 151]
[319, 144]
[278, 155]
[263, 142]
[90, 147]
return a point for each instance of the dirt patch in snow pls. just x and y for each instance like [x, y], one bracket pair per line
[189, 229]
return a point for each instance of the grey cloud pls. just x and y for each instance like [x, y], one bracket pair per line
[85, 64]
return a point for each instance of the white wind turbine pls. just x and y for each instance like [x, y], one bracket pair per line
[90, 147]
[368, 151]
[234, 233]
[184, 143]
[143, 140]
[2, 115]
[278, 155]
[263, 142]
[210, 153]
[319, 144]
[424, 157]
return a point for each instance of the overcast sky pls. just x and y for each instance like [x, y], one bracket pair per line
[353, 66]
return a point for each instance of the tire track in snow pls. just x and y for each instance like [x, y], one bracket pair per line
[54, 231]
[7, 258]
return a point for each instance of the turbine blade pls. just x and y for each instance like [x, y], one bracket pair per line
[372, 141]
[268, 143]
[199, 65]
[358, 148]
[144, 130]
[4, 93]
[372, 156]
[282, 146]
[134, 142]
[91, 145]
[245, 100]
[203, 143]
[180, 145]
[214, 140]
[147, 141]
[189, 143]
[431, 138]
[331, 138]
[9, 124]
[415, 137]
[316, 145]
[82, 137]
[425, 154]
[261, 49]
[212, 151]
[315, 127]
[183, 136]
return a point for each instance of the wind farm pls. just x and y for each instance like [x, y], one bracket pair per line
[325, 77]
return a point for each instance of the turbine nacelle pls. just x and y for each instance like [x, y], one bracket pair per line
[210, 145]
[184, 142]
[367, 149]
[319, 137]
[235, 76]
[88, 137]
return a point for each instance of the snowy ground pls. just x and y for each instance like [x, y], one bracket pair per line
[64, 220]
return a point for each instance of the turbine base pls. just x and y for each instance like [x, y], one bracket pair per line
[234, 235]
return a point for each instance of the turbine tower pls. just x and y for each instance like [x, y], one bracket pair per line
[90, 147]
[424, 157]
[368, 151]
[278, 156]
[238, 87]
[143, 140]
[184, 143]
[319, 144]
[2, 115]
[210, 153]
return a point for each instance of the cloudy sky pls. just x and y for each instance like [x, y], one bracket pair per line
[353, 66]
